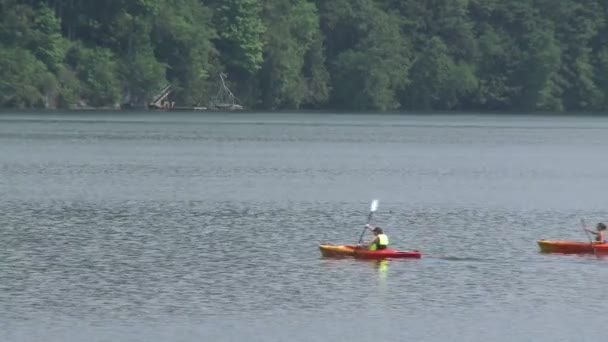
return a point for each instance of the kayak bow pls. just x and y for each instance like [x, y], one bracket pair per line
[601, 249]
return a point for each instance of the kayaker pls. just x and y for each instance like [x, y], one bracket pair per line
[599, 234]
[380, 240]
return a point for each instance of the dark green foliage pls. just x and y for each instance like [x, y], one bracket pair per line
[181, 39]
[96, 68]
[292, 36]
[518, 55]
[240, 34]
[369, 55]
[24, 80]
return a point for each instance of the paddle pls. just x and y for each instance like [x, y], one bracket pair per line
[585, 229]
[372, 209]
[588, 236]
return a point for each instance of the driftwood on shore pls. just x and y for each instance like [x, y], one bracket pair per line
[223, 101]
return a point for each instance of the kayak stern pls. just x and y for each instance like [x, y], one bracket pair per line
[336, 251]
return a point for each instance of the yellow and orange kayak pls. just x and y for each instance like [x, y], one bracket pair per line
[328, 250]
[567, 247]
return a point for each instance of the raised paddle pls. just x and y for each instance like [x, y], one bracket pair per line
[372, 209]
[588, 236]
[585, 229]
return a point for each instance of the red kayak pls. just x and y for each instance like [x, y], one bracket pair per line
[601, 249]
[566, 247]
[363, 253]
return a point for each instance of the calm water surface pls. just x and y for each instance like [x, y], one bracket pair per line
[205, 227]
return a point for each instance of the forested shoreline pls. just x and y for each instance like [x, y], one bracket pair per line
[381, 55]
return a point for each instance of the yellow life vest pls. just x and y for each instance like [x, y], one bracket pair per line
[382, 241]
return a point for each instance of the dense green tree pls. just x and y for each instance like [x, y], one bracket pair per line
[315, 74]
[24, 80]
[182, 41]
[240, 34]
[438, 81]
[517, 55]
[293, 27]
[577, 23]
[600, 59]
[97, 70]
[31, 48]
[369, 55]
[142, 74]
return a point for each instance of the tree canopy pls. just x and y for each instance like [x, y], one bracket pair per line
[358, 55]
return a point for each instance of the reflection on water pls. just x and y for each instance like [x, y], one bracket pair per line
[382, 268]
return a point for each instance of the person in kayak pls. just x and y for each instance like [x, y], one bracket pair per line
[380, 240]
[599, 234]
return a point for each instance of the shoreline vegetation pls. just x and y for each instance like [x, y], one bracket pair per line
[407, 56]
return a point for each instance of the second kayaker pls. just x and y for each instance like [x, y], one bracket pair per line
[599, 234]
[380, 240]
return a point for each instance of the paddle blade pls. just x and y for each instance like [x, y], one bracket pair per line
[374, 206]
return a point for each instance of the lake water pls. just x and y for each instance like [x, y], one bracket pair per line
[205, 227]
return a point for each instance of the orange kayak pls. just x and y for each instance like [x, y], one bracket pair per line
[567, 247]
[328, 250]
